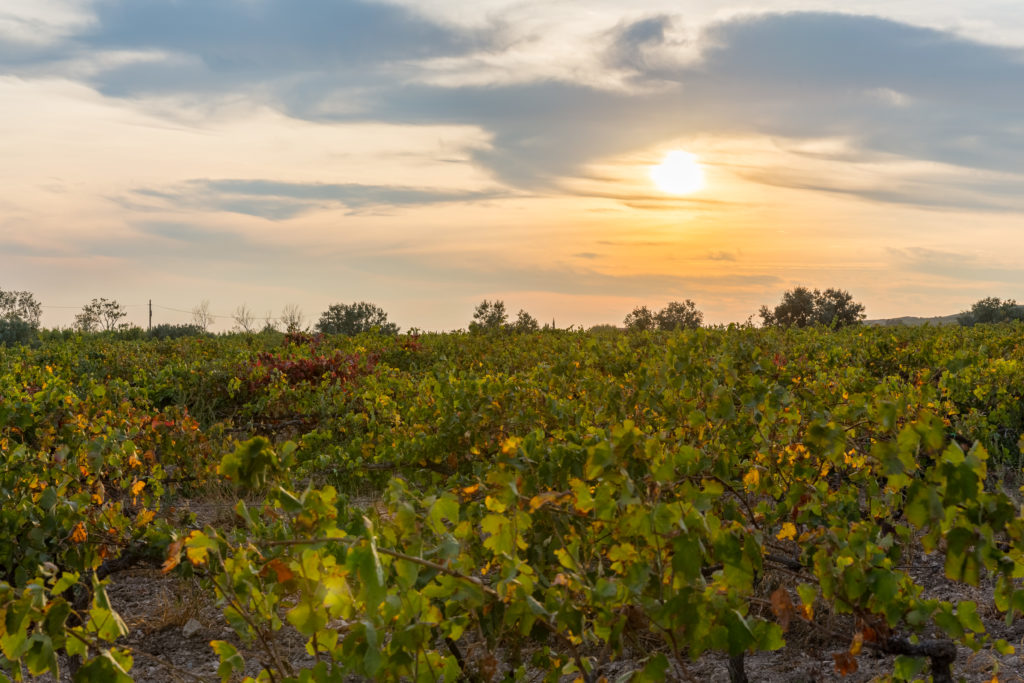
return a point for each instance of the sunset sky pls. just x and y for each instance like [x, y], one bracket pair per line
[426, 155]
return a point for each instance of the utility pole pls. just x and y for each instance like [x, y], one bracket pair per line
[150, 328]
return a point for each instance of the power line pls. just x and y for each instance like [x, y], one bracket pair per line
[80, 307]
[217, 315]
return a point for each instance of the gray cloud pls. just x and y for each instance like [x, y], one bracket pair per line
[353, 195]
[275, 200]
[272, 34]
[887, 87]
[632, 44]
[275, 48]
[954, 191]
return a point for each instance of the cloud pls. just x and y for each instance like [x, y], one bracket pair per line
[276, 200]
[721, 256]
[272, 34]
[633, 45]
[275, 49]
[952, 188]
[886, 86]
[956, 266]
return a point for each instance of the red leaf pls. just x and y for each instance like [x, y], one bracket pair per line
[846, 663]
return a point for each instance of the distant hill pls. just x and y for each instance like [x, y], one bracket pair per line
[913, 320]
[936, 320]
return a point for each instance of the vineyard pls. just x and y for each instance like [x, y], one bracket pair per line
[553, 506]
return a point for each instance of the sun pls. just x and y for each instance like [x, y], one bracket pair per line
[679, 173]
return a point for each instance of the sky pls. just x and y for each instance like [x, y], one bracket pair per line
[427, 155]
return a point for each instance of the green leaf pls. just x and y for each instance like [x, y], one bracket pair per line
[500, 536]
[768, 636]
[249, 465]
[957, 542]
[369, 569]
[306, 618]
[740, 636]
[445, 507]
[230, 661]
[102, 669]
[13, 641]
[722, 407]
[807, 593]
[907, 668]
[76, 646]
[948, 622]
[108, 624]
[687, 558]
[967, 614]
[40, 656]
[66, 581]
[655, 670]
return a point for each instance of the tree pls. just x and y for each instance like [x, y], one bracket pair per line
[640, 319]
[244, 319]
[991, 310]
[355, 318]
[836, 308]
[20, 305]
[19, 317]
[795, 310]
[803, 307]
[14, 330]
[489, 315]
[201, 315]
[525, 322]
[101, 314]
[291, 318]
[269, 324]
[679, 316]
[171, 331]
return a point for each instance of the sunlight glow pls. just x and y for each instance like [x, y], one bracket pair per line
[679, 173]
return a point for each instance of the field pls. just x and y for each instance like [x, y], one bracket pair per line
[718, 504]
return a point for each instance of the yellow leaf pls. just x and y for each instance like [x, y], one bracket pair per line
[137, 487]
[495, 505]
[857, 644]
[751, 479]
[173, 556]
[542, 499]
[510, 445]
[196, 553]
[144, 518]
[79, 535]
[788, 532]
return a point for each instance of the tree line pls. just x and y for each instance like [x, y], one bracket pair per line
[20, 315]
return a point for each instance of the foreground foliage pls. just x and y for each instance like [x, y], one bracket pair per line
[563, 498]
